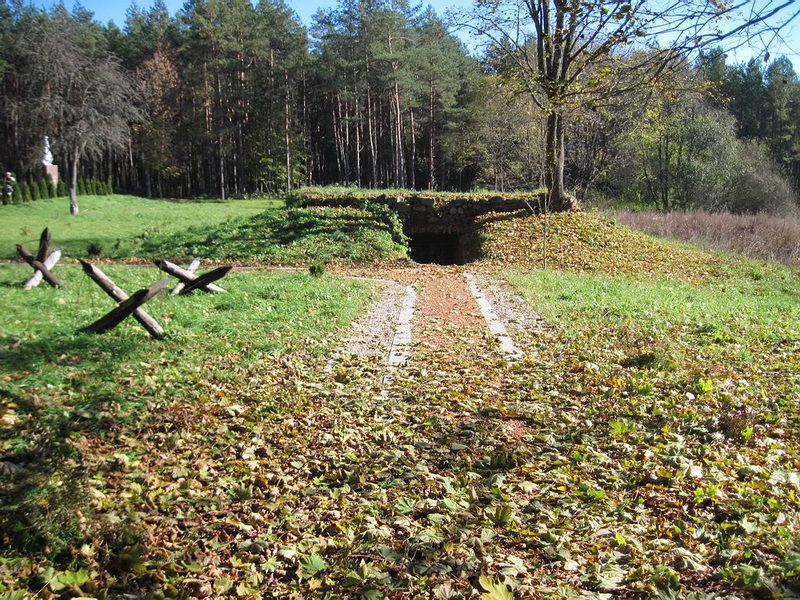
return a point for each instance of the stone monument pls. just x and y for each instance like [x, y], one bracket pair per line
[47, 160]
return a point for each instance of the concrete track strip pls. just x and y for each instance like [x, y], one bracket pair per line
[398, 353]
[496, 326]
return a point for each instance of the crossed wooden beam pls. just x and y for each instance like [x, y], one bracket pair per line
[42, 263]
[189, 281]
[128, 305]
[132, 305]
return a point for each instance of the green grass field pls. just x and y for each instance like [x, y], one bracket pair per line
[646, 447]
[115, 224]
[239, 231]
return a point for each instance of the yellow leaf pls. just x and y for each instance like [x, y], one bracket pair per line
[495, 590]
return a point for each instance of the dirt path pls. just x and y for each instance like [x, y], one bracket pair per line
[446, 314]
[454, 315]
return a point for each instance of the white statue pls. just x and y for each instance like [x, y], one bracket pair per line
[47, 156]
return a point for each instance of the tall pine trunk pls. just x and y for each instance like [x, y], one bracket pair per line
[397, 123]
[412, 176]
[431, 142]
[287, 125]
[373, 146]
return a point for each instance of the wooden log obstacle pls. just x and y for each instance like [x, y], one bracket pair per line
[191, 268]
[128, 306]
[43, 262]
[189, 281]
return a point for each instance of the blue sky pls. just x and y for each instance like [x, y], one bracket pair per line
[108, 10]
[114, 10]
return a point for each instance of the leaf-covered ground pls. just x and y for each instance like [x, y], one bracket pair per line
[584, 243]
[646, 446]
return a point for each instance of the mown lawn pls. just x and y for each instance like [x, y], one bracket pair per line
[238, 231]
[113, 224]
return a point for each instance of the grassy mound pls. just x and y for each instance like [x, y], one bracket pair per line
[293, 236]
[345, 196]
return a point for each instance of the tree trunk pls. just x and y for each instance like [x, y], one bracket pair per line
[431, 142]
[221, 168]
[287, 125]
[358, 126]
[399, 162]
[337, 136]
[412, 176]
[73, 183]
[373, 146]
[557, 199]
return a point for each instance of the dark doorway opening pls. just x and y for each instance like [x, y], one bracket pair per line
[436, 248]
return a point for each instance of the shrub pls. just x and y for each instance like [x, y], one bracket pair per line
[33, 188]
[24, 191]
[686, 156]
[316, 269]
[44, 192]
[755, 184]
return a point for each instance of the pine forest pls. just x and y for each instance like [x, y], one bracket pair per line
[229, 99]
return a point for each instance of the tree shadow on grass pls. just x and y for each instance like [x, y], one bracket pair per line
[44, 491]
[100, 354]
[270, 232]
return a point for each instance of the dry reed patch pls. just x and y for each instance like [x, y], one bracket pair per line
[765, 237]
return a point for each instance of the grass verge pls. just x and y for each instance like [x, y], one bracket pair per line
[112, 224]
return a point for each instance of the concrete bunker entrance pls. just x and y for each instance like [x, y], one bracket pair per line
[445, 230]
[442, 247]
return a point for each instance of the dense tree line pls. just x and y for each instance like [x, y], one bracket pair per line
[231, 101]
[230, 98]
[731, 142]
[766, 104]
